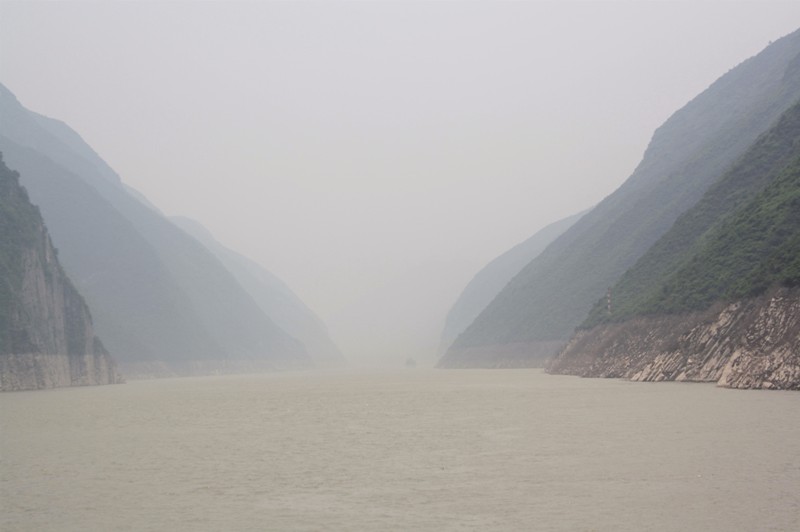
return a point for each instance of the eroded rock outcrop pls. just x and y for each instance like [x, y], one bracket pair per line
[46, 334]
[753, 343]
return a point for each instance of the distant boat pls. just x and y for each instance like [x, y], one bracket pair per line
[411, 363]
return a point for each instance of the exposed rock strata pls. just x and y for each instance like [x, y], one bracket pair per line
[52, 337]
[47, 339]
[747, 344]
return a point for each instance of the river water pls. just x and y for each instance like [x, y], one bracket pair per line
[411, 450]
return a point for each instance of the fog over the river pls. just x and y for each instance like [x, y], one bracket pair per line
[374, 155]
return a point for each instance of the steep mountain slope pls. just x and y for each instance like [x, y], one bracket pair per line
[142, 313]
[693, 265]
[490, 280]
[726, 307]
[46, 334]
[542, 305]
[273, 297]
[164, 303]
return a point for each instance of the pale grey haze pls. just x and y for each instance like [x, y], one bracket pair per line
[374, 155]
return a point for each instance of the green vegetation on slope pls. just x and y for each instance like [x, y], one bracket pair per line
[756, 248]
[703, 257]
[555, 292]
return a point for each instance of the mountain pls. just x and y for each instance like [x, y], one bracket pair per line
[46, 335]
[717, 298]
[686, 269]
[539, 309]
[490, 280]
[273, 296]
[162, 302]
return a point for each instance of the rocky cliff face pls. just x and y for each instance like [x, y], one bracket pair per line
[160, 299]
[752, 343]
[46, 334]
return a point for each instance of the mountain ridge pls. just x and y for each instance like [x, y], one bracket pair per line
[163, 302]
[273, 296]
[491, 279]
[554, 292]
[724, 304]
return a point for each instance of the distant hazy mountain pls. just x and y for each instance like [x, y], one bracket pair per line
[46, 334]
[717, 298]
[535, 314]
[162, 302]
[273, 297]
[490, 280]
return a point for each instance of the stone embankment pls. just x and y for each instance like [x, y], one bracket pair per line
[747, 344]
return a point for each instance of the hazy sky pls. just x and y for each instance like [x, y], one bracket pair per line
[374, 155]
